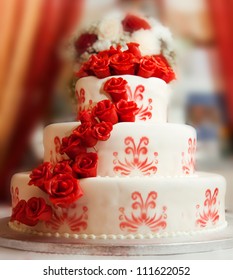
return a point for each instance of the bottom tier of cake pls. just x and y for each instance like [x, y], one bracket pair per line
[139, 207]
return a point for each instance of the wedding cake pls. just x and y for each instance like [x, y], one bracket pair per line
[121, 171]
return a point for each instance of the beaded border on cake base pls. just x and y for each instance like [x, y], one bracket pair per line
[14, 226]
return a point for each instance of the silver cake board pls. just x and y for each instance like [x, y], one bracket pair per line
[218, 240]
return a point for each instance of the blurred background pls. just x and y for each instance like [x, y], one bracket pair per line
[34, 75]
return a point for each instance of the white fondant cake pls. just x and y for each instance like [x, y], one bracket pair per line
[121, 171]
[145, 187]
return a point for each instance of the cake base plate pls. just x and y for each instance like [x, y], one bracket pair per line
[218, 240]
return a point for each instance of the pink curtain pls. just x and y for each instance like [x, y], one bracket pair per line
[222, 14]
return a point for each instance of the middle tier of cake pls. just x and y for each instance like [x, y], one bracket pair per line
[134, 149]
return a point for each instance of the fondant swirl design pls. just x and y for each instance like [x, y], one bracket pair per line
[81, 99]
[14, 196]
[143, 217]
[210, 212]
[144, 112]
[80, 95]
[188, 160]
[63, 217]
[55, 156]
[136, 159]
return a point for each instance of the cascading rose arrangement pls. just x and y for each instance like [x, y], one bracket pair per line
[61, 182]
[121, 171]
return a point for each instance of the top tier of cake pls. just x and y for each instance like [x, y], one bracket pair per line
[151, 95]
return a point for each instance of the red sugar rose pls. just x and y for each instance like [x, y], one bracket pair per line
[84, 71]
[101, 131]
[116, 88]
[62, 167]
[105, 111]
[163, 69]
[86, 165]
[40, 174]
[123, 63]
[86, 116]
[110, 52]
[147, 67]
[63, 189]
[100, 66]
[18, 211]
[37, 210]
[85, 41]
[134, 49]
[126, 110]
[72, 145]
[85, 133]
[133, 23]
[32, 211]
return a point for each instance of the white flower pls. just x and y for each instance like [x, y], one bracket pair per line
[149, 44]
[163, 34]
[102, 45]
[110, 29]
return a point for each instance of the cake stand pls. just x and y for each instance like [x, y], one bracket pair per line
[218, 240]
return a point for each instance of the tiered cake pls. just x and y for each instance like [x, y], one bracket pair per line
[122, 171]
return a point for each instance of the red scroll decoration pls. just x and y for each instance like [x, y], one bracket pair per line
[81, 98]
[143, 113]
[55, 156]
[136, 159]
[188, 160]
[68, 218]
[15, 196]
[209, 215]
[143, 217]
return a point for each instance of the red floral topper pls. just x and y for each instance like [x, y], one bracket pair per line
[130, 62]
[32, 211]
